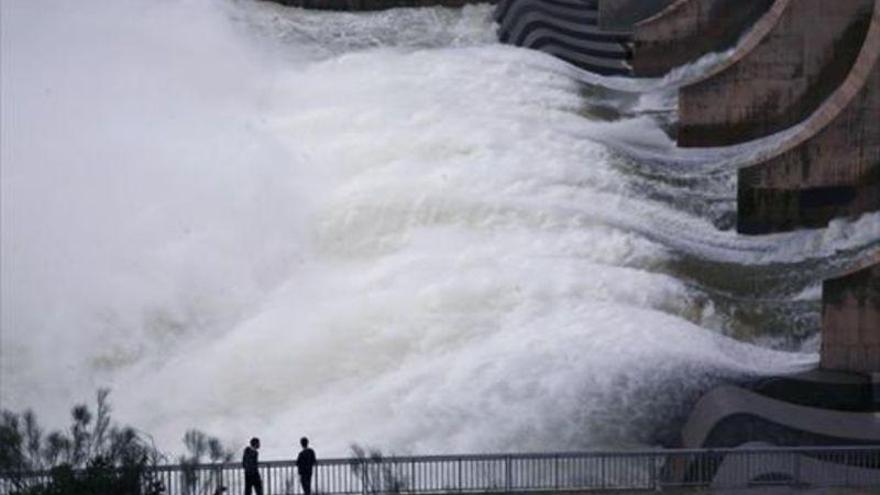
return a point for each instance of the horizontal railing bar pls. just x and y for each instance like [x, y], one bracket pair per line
[655, 453]
[532, 473]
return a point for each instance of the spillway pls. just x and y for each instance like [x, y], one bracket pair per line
[384, 228]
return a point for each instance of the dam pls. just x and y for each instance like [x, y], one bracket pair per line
[529, 226]
[807, 72]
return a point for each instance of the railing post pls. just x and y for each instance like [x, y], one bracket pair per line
[655, 475]
[748, 470]
[363, 475]
[797, 469]
[556, 471]
[507, 466]
[460, 487]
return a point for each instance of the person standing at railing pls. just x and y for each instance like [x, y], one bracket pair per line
[250, 462]
[305, 462]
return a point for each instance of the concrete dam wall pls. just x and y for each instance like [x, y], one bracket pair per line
[797, 62]
[652, 36]
[811, 63]
[851, 321]
[810, 68]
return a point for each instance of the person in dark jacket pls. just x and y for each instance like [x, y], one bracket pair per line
[305, 462]
[250, 462]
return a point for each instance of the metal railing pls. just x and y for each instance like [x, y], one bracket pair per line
[506, 473]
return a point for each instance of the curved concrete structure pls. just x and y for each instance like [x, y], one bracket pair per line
[851, 392]
[831, 168]
[795, 469]
[567, 29]
[372, 4]
[814, 408]
[731, 416]
[689, 29]
[778, 80]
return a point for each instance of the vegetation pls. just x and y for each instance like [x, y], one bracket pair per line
[376, 475]
[93, 456]
[201, 449]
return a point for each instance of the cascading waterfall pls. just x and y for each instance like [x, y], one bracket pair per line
[382, 228]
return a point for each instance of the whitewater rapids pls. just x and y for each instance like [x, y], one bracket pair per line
[381, 228]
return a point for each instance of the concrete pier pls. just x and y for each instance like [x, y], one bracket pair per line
[781, 78]
[688, 29]
[831, 167]
[851, 322]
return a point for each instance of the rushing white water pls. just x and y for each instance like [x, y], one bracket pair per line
[383, 228]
